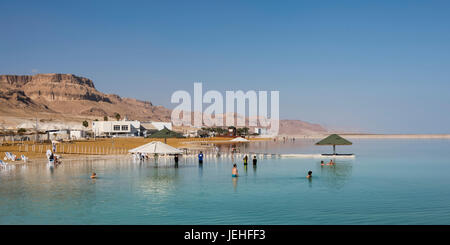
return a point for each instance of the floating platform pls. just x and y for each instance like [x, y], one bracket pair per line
[317, 155]
[338, 155]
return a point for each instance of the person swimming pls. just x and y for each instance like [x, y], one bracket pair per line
[309, 174]
[331, 162]
[94, 175]
[322, 163]
[234, 172]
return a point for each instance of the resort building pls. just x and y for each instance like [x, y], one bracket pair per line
[58, 134]
[116, 128]
[77, 134]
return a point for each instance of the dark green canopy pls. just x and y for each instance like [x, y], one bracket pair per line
[166, 133]
[334, 140]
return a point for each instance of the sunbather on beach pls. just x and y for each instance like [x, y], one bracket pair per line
[234, 172]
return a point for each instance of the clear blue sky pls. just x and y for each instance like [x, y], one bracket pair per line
[379, 66]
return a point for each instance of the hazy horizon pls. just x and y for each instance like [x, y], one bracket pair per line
[379, 67]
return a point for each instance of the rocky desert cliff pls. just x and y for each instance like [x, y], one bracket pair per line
[67, 98]
[70, 95]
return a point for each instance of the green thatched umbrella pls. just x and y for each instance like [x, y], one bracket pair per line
[334, 140]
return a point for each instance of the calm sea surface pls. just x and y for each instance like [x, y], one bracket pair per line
[388, 182]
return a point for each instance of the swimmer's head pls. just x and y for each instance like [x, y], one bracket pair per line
[309, 172]
[234, 165]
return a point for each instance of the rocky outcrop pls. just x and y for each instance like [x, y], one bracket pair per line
[54, 87]
[297, 127]
[71, 94]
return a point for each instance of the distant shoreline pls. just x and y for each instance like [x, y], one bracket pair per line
[376, 136]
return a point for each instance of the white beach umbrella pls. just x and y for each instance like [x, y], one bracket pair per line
[239, 139]
[156, 147]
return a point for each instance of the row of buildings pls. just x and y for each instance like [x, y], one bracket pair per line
[124, 128]
[127, 128]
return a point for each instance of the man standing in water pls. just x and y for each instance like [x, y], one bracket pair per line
[234, 172]
[200, 157]
[254, 160]
[176, 160]
[245, 160]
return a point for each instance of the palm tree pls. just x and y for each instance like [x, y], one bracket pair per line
[117, 116]
[245, 130]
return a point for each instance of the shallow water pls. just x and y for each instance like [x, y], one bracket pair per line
[389, 182]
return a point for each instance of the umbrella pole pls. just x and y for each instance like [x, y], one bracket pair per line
[334, 149]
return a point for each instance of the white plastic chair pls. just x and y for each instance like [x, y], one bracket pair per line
[24, 158]
[10, 156]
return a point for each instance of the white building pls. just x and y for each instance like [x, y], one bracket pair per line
[58, 134]
[117, 128]
[160, 125]
[77, 134]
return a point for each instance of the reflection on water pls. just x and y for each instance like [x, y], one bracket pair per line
[235, 180]
[335, 176]
[200, 170]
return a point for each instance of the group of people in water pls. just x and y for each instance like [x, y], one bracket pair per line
[140, 156]
[322, 163]
[54, 159]
[331, 163]
[234, 171]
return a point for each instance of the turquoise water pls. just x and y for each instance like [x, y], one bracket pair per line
[389, 182]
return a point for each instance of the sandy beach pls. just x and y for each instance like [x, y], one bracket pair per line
[104, 148]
